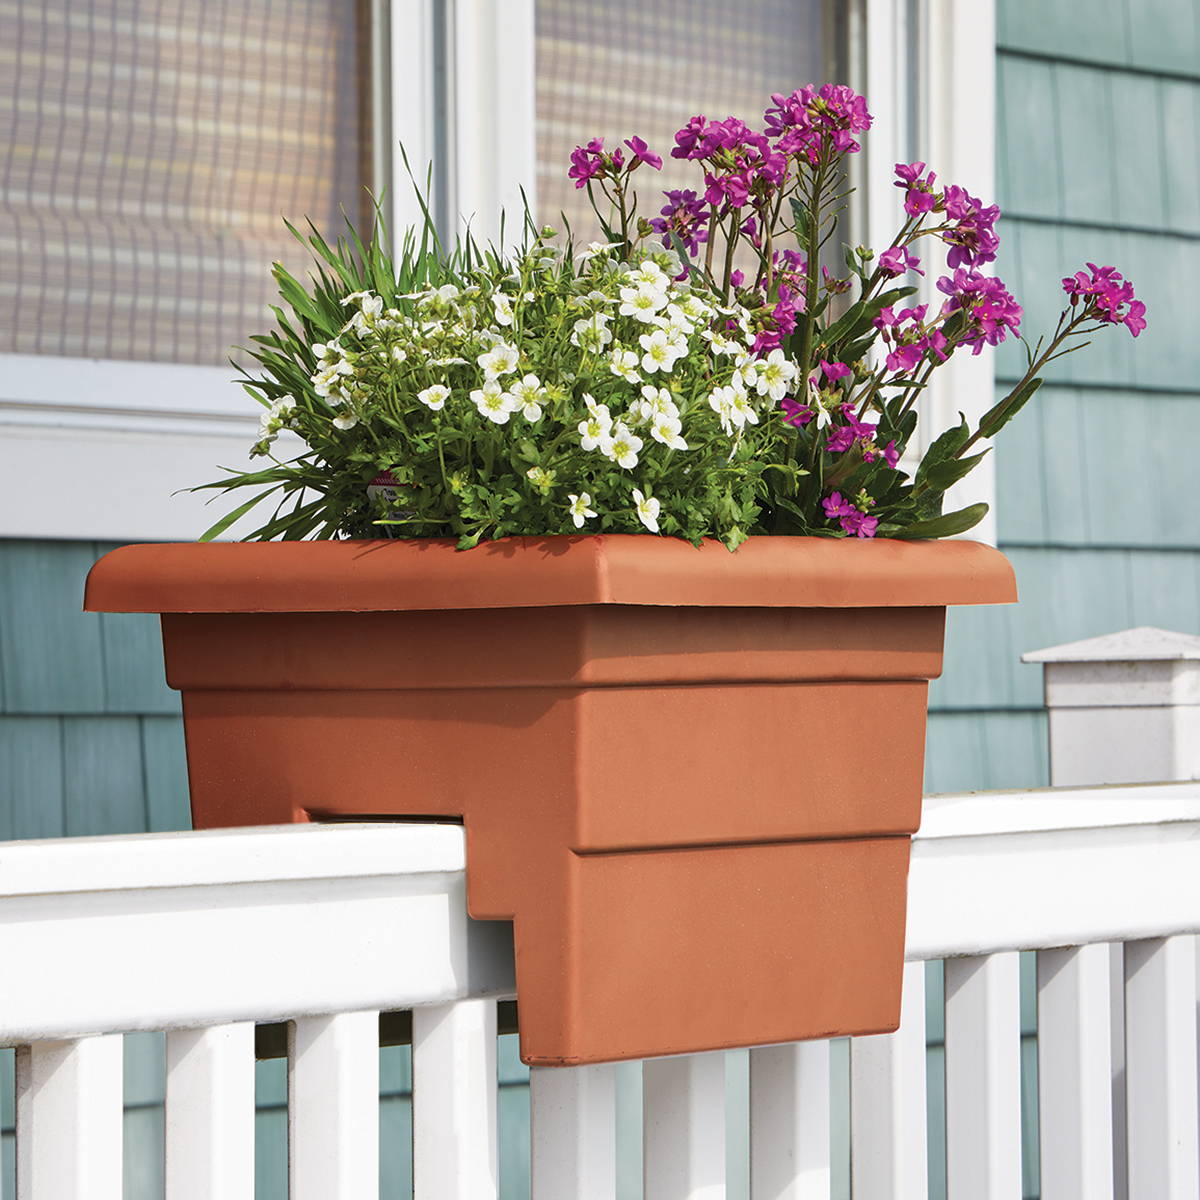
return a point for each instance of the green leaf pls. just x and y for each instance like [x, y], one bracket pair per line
[800, 217]
[949, 471]
[945, 446]
[229, 518]
[946, 526]
[996, 418]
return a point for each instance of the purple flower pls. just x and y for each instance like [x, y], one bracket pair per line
[812, 121]
[852, 519]
[836, 506]
[697, 139]
[972, 240]
[891, 455]
[990, 309]
[905, 358]
[896, 260]
[587, 162]
[746, 166]
[641, 153]
[860, 524]
[795, 413]
[839, 440]
[919, 196]
[832, 285]
[834, 371]
[1108, 297]
[685, 215]
[843, 437]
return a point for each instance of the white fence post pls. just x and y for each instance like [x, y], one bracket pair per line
[210, 1113]
[573, 1119]
[1125, 708]
[455, 1149]
[69, 1119]
[684, 1127]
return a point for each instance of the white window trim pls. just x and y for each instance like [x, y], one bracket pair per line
[485, 93]
[928, 70]
[97, 449]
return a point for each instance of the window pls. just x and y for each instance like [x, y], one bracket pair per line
[150, 153]
[645, 66]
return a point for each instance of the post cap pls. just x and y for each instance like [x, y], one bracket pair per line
[1143, 644]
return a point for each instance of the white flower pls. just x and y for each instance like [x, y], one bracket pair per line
[526, 395]
[775, 375]
[622, 445]
[666, 429]
[493, 403]
[647, 510]
[591, 333]
[720, 342]
[503, 309]
[501, 359]
[398, 354]
[661, 352]
[691, 305]
[624, 364]
[345, 421]
[721, 402]
[678, 320]
[278, 416]
[329, 350]
[329, 379]
[579, 510]
[598, 248]
[642, 303]
[741, 412]
[434, 398]
[596, 427]
[650, 273]
[745, 376]
[655, 402]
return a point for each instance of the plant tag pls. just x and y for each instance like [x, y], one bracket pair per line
[384, 494]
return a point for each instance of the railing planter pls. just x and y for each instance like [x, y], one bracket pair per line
[689, 777]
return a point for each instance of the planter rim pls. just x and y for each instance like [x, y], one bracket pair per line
[630, 569]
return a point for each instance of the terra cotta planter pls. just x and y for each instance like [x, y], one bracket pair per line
[689, 777]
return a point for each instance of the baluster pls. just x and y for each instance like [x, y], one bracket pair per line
[983, 1078]
[684, 1127]
[1160, 1068]
[1075, 1073]
[573, 1115]
[69, 1120]
[210, 1113]
[888, 1135]
[454, 1101]
[789, 1122]
[333, 1107]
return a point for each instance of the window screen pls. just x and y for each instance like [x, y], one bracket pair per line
[150, 149]
[645, 66]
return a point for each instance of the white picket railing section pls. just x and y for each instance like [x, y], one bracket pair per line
[204, 934]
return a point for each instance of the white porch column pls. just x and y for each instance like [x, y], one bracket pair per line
[1125, 708]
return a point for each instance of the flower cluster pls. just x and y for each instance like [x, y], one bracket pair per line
[1107, 297]
[699, 374]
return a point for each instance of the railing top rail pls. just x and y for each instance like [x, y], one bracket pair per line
[262, 854]
[989, 814]
[1059, 867]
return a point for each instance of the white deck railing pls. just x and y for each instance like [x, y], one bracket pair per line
[205, 934]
